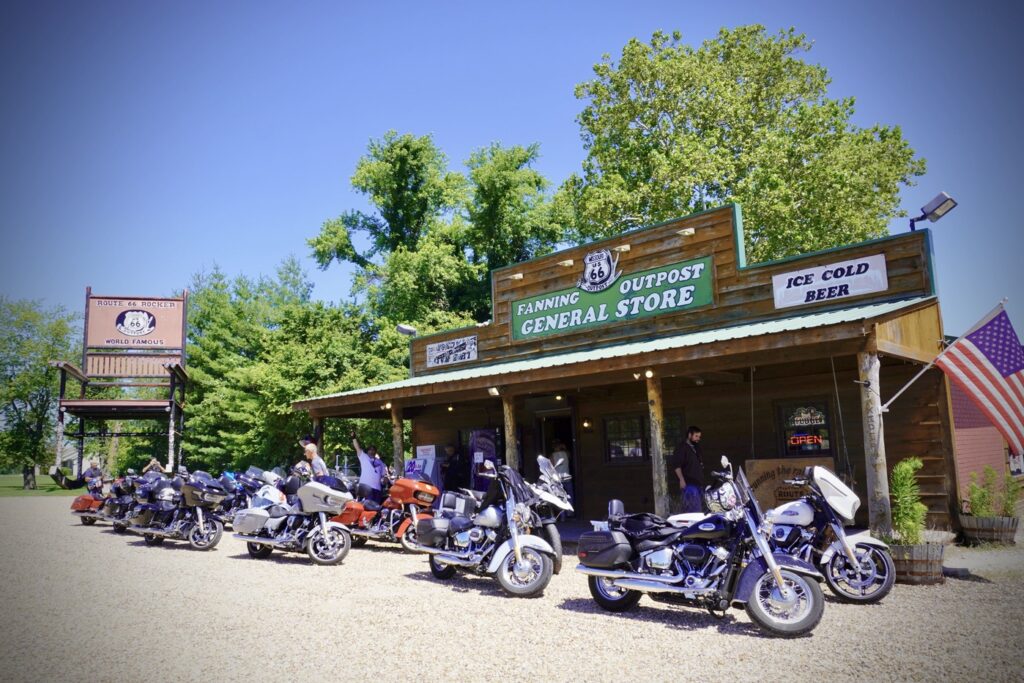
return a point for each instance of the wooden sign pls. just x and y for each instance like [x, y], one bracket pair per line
[134, 323]
[451, 351]
[767, 478]
[835, 281]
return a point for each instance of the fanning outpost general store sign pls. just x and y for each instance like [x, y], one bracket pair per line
[604, 295]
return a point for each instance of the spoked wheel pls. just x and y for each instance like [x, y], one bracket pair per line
[610, 597]
[150, 539]
[258, 551]
[207, 537]
[329, 548]
[88, 521]
[789, 615]
[408, 539]
[870, 582]
[527, 578]
[441, 571]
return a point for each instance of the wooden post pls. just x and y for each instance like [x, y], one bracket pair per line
[656, 413]
[170, 439]
[81, 445]
[60, 438]
[318, 435]
[397, 439]
[112, 450]
[508, 407]
[879, 511]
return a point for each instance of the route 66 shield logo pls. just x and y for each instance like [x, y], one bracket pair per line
[600, 271]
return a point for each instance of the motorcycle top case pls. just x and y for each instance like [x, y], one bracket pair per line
[250, 520]
[603, 549]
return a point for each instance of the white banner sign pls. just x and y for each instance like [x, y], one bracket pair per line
[834, 281]
[451, 351]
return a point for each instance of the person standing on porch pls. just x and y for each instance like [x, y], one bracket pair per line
[689, 468]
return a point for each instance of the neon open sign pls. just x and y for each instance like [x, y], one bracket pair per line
[805, 440]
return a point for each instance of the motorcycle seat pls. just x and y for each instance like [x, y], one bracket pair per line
[458, 524]
[276, 511]
[652, 543]
[370, 505]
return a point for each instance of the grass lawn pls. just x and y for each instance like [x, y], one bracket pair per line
[10, 485]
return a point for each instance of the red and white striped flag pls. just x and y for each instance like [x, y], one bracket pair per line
[988, 364]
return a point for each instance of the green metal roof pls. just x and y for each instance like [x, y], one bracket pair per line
[845, 315]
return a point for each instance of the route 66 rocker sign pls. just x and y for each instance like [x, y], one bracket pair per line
[600, 271]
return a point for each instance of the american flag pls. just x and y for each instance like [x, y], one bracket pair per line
[988, 364]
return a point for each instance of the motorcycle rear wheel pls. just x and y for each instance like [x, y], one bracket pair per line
[331, 549]
[788, 619]
[441, 571]
[208, 537]
[88, 521]
[120, 528]
[150, 539]
[258, 551]
[528, 580]
[611, 598]
[359, 541]
[879, 575]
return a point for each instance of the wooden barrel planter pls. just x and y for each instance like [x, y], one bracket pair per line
[988, 529]
[918, 564]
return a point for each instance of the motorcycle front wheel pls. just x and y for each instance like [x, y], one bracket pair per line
[330, 548]
[528, 578]
[554, 539]
[207, 537]
[441, 571]
[611, 598]
[150, 539]
[786, 616]
[258, 551]
[871, 583]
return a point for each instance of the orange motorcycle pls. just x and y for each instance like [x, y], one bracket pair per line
[395, 520]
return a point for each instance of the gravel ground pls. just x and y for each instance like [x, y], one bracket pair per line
[84, 603]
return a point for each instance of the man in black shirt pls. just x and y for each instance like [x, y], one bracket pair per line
[689, 468]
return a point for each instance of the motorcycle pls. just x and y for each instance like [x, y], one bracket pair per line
[554, 502]
[237, 497]
[392, 521]
[298, 522]
[118, 504]
[179, 509]
[857, 567]
[88, 506]
[490, 537]
[721, 560]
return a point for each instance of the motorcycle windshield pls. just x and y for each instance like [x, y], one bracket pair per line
[548, 471]
[747, 492]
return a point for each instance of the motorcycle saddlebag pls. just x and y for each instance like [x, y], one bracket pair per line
[432, 530]
[250, 520]
[603, 549]
[83, 503]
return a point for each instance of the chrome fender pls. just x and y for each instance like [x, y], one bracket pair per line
[757, 567]
[860, 538]
[525, 541]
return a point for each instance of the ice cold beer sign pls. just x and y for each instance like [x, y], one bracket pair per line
[834, 281]
[605, 295]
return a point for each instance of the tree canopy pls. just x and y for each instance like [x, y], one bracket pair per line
[671, 129]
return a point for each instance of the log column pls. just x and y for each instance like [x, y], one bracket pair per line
[170, 438]
[60, 438]
[318, 435]
[656, 411]
[397, 440]
[879, 511]
[508, 406]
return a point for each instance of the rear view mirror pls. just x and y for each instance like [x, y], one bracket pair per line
[725, 462]
[561, 461]
[488, 465]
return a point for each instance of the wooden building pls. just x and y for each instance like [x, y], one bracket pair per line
[616, 346]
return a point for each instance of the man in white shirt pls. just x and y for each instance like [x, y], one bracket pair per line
[369, 475]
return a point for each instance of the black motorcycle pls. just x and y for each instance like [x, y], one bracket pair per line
[720, 561]
[119, 503]
[179, 509]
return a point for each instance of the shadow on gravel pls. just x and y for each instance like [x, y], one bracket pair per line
[462, 583]
[681, 618]
[282, 558]
[971, 577]
[168, 545]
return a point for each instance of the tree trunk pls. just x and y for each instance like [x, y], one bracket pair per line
[511, 447]
[879, 511]
[397, 440]
[657, 416]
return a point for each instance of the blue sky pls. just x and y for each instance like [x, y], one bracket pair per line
[143, 142]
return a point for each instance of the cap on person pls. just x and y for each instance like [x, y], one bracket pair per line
[306, 440]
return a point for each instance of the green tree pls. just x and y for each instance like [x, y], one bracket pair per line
[671, 129]
[30, 337]
[509, 215]
[407, 180]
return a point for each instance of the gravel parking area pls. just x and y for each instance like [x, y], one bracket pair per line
[84, 603]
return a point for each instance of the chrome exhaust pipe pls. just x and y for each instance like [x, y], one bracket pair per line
[620, 574]
[265, 541]
[466, 559]
[655, 587]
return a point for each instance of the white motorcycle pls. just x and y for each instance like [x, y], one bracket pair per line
[295, 518]
[490, 537]
[554, 501]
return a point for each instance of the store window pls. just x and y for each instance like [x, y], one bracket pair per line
[805, 428]
[624, 438]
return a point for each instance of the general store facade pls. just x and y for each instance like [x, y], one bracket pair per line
[615, 347]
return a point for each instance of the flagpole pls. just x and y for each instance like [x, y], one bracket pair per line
[988, 316]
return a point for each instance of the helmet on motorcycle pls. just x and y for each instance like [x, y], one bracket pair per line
[722, 498]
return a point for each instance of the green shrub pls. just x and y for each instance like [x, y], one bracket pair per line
[1011, 494]
[981, 498]
[908, 512]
